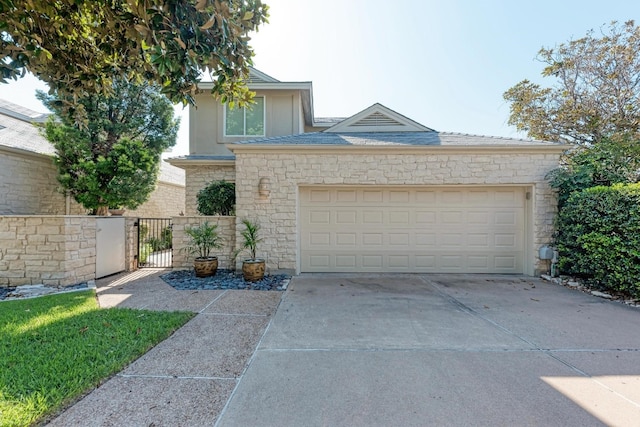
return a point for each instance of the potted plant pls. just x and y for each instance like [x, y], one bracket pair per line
[204, 238]
[252, 268]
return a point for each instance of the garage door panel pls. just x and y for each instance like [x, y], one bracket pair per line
[412, 230]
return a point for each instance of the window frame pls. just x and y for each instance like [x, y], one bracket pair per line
[244, 118]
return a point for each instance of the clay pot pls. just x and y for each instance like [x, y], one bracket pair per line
[253, 269]
[205, 267]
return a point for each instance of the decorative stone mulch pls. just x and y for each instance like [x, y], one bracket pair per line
[577, 284]
[224, 279]
[32, 291]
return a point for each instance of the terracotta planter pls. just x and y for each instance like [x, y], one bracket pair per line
[205, 267]
[253, 269]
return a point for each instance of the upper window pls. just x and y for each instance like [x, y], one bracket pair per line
[247, 121]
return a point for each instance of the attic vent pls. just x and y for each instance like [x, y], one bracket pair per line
[378, 120]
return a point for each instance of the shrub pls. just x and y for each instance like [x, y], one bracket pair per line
[599, 237]
[165, 241]
[611, 161]
[145, 250]
[217, 198]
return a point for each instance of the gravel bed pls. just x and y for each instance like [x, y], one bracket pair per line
[5, 291]
[224, 279]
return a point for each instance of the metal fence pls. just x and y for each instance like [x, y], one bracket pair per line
[155, 243]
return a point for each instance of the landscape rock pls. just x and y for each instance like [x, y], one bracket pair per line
[601, 294]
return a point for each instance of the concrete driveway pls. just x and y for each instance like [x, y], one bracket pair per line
[418, 350]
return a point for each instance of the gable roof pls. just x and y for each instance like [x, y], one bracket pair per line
[257, 76]
[378, 118]
[383, 128]
[17, 130]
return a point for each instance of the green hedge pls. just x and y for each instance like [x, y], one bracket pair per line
[599, 237]
[217, 198]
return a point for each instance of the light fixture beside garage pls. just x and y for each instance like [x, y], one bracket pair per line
[264, 187]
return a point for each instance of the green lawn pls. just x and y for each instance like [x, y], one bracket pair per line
[53, 349]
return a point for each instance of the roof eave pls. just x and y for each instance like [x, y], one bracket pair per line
[182, 162]
[369, 149]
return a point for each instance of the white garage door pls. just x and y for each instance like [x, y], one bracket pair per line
[412, 229]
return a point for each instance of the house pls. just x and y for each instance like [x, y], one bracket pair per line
[375, 192]
[28, 183]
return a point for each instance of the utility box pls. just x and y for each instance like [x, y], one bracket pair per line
[545, 252]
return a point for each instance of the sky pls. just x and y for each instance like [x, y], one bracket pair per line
[444, 64]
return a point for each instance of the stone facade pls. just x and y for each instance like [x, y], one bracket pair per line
[28, 186]
[226, 228]
[50, 250]
[287, 171]
[167, 200]
[198, 177]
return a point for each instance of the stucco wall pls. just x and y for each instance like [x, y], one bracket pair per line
[283, 116]
[28, 185]
[52, 250]
[277, 214]
[198, 177]
[226, 228]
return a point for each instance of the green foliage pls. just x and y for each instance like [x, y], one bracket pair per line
[595, 94]
[56, 348]
[165, 241]
[114, 159]
[599, 237]
[217, 198]
[144, 251]
[204, 238]
[612, 161]
[78, 47]
[250, 238]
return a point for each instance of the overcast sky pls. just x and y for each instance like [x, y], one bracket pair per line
[444, 64]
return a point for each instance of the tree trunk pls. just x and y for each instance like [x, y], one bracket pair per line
[102, 210]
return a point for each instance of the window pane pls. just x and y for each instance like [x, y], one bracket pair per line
[234, 121]
[255, 118]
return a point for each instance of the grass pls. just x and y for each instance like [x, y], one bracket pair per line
[56, 348]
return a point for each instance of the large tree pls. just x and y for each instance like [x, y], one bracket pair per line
[596, 93]
[78, 46]
[113, 159]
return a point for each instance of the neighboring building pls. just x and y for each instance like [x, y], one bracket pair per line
[28, 184]
[376, 192]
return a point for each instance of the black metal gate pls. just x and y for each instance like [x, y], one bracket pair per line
[155, 243]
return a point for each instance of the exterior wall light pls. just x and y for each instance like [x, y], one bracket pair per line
[264, 187]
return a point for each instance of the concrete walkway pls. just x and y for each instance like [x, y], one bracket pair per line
[378, 350]
[187, 379]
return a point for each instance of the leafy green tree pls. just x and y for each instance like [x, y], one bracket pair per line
[596, 93]
[614, 160]
[113, 160]
[78, 46]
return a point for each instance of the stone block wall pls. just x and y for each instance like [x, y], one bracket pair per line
[198, 177]
[29, 186]
[50, 250]
[277, 214]
[167, 200]
[226, 228]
